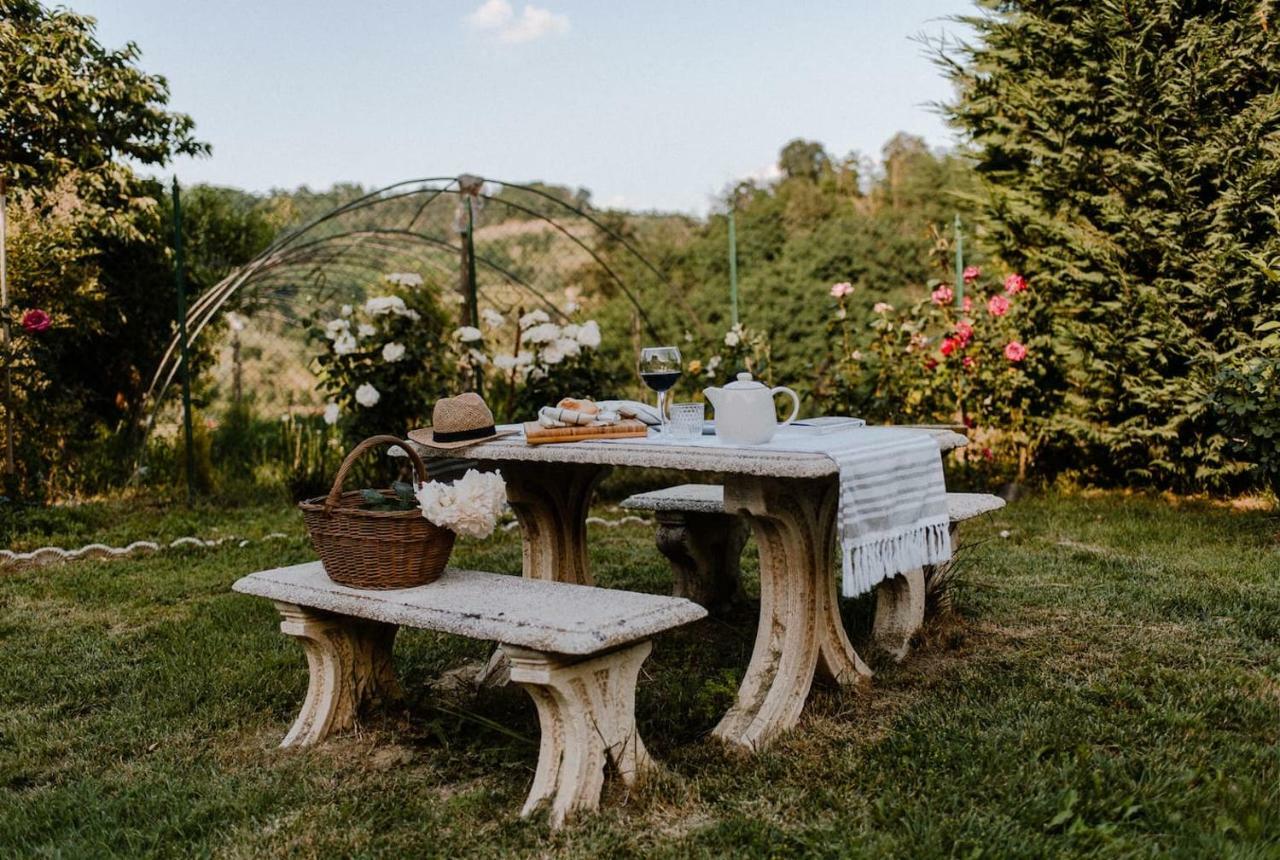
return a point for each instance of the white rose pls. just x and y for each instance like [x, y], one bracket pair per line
[379, 305]
[366, 330]
[882, 307]
[344, 344]
[333, 328]
[492, 319]
[331, 413]
[504, 362]
[543, 333]
[346, 310]
[367, 395]
[571, 331]
[524, 358]
[732, 339]
[468, 334]
[404, 279]
[393, 352]
[571, 307]
[589, 334]
[533, 318]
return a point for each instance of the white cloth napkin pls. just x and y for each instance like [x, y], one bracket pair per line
[893, 498]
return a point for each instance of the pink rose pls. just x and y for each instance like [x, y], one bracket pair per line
[949, 345]
[997, 305]
[1015, 284]
[36, 320]
[943, 295]
[971, 273]
[968, 362]
[968, 304]
[839, 291]
[964, 332]
[1015, 351]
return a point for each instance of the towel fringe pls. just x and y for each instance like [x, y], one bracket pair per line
[867, 564]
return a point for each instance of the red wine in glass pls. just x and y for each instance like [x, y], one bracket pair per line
[660, 367]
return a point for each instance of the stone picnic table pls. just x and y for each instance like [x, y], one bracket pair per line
[790, 499]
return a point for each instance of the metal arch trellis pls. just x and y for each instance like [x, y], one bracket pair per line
[318, 258]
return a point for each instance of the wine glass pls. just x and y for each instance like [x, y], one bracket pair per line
[660, 367]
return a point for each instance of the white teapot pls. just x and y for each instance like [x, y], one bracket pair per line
[744, 410]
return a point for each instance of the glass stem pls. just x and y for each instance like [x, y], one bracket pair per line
[662, 412]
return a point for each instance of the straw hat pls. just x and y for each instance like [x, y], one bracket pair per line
[457, 422]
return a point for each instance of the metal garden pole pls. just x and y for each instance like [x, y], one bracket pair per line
[959, 264]
[733, 269]
[10, 466]
[178, 276]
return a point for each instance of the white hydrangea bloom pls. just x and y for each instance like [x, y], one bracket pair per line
[331, 413]
[491, 318]
[367, 395]
[533, 318]
[552, 353]
[468, 334]
[589, 334]
[393, 352]
[470, 506]
[542, 333]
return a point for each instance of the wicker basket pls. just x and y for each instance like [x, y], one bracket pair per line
[375, 549]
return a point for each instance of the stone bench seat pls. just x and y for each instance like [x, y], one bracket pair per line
[703, 543]
[576, 649]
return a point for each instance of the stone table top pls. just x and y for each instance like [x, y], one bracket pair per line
[545, 616]
[706, 454]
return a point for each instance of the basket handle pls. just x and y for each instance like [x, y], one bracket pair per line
[335, 494]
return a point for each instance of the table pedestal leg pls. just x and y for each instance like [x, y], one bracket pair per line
[800, 629]
[350, 667]
[899, 613]
[551, 501]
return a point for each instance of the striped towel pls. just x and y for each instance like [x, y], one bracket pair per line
[893, 504]
[893, 499]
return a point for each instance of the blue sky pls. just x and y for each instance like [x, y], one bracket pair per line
[653, 104]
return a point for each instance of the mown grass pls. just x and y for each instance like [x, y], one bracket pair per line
[1110, 686]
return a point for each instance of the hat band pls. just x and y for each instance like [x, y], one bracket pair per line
[464, 435]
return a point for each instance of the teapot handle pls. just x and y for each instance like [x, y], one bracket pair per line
[795, 398]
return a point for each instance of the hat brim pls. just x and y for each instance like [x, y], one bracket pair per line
[426, 436]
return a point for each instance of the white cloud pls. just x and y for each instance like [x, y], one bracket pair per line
[499, 18]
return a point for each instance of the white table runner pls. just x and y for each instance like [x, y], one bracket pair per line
[893, 498]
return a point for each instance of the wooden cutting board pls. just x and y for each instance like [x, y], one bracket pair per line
[536, 434]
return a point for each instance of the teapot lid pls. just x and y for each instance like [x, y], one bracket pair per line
[745, 382]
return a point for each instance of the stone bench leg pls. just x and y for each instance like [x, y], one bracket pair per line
[705, 552]
[586, 709]
[900, 605]
[350, 666]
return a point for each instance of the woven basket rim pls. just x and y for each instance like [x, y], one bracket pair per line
[317, 505]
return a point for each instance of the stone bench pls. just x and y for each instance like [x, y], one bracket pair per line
[704, 545]
[576, 649]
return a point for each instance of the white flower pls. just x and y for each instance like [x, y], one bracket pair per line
[366, 330]
[404, 279]
[732, 338]
[688, 337]
[468, 334]
[331, 413]
[841, 313]
[235, 321]
[346, 310]
[344, 344]
[475, 356]
[571, 307]
[393, 352]
[504, 362]
[333, 328]
[882, 307]
[589, 334]
[471, 506]
[553, 353]
[543, 333]
[524, 358]
[367, 395]
[570, 331]
[856, 355]
[537, 373]
[492, 319]
[532, 318]
[379, 305]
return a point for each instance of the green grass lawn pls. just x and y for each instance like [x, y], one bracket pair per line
[1109, 684]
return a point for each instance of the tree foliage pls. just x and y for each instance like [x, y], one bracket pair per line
[1130, 151]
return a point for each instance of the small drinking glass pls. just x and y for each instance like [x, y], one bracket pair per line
[686, 420]
[660, 367]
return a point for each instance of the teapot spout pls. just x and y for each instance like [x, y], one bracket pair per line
[713, 395]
